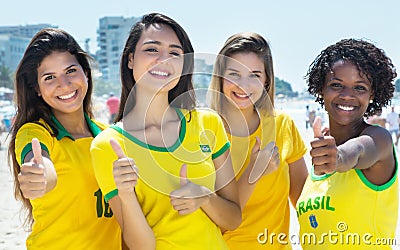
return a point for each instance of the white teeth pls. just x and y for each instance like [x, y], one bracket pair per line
[241, 95]
[346, 108]
[160, 73]
[64, 97]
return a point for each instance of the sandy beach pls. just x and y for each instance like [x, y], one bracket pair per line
[13, 236]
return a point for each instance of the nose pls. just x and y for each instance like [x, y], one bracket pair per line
[63, 81]
[163, 56]
[347, 93]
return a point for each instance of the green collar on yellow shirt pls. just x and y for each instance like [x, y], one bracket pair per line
[62, 132]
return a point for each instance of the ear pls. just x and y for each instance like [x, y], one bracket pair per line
[37, 90]
[130, 61]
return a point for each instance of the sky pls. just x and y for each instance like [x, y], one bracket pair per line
[296, 30]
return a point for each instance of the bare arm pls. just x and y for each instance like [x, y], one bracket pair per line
[136, 232]
[372, 152]
[298, 175]
[224, 208]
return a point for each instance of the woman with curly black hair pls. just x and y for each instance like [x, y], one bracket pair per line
[352, 187]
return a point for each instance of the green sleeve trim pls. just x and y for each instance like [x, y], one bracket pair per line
[110, 195]
[221, 151]
[379, 187]
[315, 177]
[28, 148]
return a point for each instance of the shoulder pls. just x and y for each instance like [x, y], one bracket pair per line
[39, 126]
[103, 138]
[99, 124]
[378, 133]
[281, 118]
[201, 114]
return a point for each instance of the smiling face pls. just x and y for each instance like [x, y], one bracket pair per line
[346, 93]
[62, 82]
[158, 60]
[244, 79]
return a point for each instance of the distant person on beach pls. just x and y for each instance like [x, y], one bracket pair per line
[392, 119]
[377, 119]
[112, 105]
[167, 160]
[307, 116]
[49, 148]
[266, 147]
[352, 187]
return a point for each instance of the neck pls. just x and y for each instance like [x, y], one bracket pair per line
[343, 133]
[241, 122]
[74, 123]
[149, 111]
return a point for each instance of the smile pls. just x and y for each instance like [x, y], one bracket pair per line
[346, 108]
[241, 95]
[159, 73]
[65, 97]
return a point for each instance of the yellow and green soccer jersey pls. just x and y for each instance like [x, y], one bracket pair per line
[74, 214]
[268, 206]
[346, 211]
[202, 138]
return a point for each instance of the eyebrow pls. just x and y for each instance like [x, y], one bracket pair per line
[254, 71]
[50, 73]
[159, 43]
[338, 79]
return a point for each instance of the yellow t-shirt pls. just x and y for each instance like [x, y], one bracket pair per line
[267, 211]
[74, 214]
[202, 138]
[346, 211]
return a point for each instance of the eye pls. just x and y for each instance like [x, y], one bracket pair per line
[335, 85]
[151, 50]
[255, 75]
[69, 71]
[175, 53]
[233, 74]
[49, 77]
[361, 88]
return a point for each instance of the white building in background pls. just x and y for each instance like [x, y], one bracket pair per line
[11, 50]
[111, 38]
[24, 30]
[14, 40]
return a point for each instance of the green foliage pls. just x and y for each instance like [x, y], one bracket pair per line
[6, 77]
[397, 84]
[284, 88]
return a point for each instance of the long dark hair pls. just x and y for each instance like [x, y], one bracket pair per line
[30, 106]
[185, 84]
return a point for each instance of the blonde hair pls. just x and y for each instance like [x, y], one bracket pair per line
[245, 42]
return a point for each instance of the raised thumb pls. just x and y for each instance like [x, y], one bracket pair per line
[183, 175]
[317, 127]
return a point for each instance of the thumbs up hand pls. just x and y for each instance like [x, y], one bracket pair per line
[323, 151]
[124, 170]
[189, 197]
[264, 161]
[32, 177]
